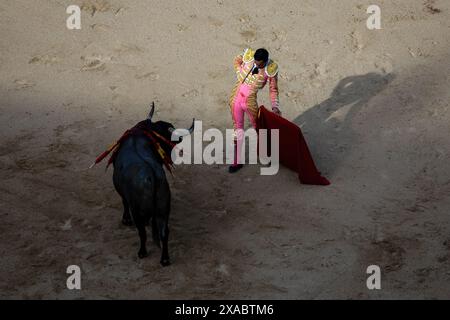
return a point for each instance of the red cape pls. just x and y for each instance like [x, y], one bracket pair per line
[294, 152]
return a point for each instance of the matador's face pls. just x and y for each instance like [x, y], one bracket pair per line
[260, 63]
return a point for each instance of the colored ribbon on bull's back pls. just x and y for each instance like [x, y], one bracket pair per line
[153, 136]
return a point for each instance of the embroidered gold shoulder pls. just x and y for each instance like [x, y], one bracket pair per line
[248, 55]
[272, 69]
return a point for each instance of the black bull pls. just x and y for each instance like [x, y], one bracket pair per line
[140, 180]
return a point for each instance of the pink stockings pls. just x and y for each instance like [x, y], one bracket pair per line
[239, 109]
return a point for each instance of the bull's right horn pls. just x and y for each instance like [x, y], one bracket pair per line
[152, 110]
[177, 135]
[191, 129]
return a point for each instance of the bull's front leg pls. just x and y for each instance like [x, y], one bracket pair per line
[142, 253]
[163, 230]
[162, 220]
[164, 235]
[140, 225]
[165, 260]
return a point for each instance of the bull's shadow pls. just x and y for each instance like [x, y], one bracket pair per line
[331, 137]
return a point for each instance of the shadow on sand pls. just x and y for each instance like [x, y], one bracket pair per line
[331, 138]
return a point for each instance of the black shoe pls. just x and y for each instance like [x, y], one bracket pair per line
[235, 168]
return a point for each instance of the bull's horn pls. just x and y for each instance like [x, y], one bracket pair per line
[191, 129]
[152, 110]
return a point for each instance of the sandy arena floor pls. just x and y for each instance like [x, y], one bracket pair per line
[373, 105]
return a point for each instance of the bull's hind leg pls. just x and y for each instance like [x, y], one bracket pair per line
[126, 218]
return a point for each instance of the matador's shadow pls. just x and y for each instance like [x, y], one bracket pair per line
[331, 137]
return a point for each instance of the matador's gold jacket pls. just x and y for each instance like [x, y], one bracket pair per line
[243, 64]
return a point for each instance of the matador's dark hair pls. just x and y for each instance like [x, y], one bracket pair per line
[261, 55]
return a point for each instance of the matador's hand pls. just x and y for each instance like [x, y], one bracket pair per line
[277, 111]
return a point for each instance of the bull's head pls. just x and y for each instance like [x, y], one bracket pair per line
[166, 129]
